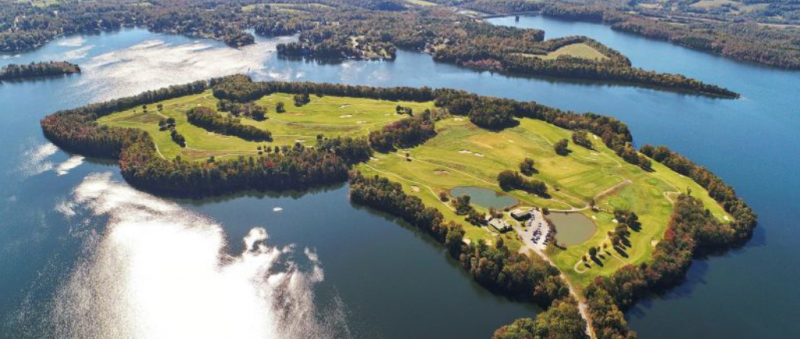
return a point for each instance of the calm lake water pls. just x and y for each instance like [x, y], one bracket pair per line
[485, 197]
[78, 246]
[572, 228]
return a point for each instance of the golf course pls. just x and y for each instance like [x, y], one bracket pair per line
[461, 154]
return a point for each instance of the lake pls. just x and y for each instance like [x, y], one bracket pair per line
[74, 238]
[485, 197]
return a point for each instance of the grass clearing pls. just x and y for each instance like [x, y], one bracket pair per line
[464, 155]
[328, 115]
[422, 3]
[579, 50]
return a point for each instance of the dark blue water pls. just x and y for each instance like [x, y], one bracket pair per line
[385, 280]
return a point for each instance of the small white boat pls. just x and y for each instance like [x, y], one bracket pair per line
[277, 209]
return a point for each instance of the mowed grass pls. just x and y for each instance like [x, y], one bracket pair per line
[461, 154]
[422, 3]
[464, 155]
[328, 115]
[579, 50]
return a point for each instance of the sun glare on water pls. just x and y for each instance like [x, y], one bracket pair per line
[160, 271]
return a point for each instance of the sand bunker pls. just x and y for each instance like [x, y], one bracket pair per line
[415, 188]
[463, 151]
[346, 116]
[344, 106]
[441, 172]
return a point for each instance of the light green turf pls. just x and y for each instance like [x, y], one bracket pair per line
[460, 155]
[579, 50]
[328, 115]
[464, 155]
[422, 3]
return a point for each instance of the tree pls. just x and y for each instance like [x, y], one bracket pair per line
[509, 180]
[645, 163]
[527, 167]
[462, 204]
[443, 196]
[279, 107]
[301, 99]
[593, 251]
[561, 147]
[581, 137]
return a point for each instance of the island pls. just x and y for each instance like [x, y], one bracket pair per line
[352, 29]
[536, 203]
[37, 69]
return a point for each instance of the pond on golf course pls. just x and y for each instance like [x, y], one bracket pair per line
[572, 228]
[485, 197]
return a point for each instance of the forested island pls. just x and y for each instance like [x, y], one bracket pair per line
[37, 69]
[423, 130]
[348, 29]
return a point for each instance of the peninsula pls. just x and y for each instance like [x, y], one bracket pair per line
[37, 69]
[536, 203]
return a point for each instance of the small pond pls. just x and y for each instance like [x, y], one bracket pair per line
[485, 197]
[572, 228]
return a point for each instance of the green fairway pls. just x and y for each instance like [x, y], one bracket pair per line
[330, 116]
[464, 155]
[461, 154]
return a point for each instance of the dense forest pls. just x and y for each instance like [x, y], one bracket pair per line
[359, 29]
[405, 133]
[691, 230]
[38, 69]
[453, 38]
[765, 32]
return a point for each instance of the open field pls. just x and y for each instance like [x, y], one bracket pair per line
[582, 51]
[579, 50]
[461, 154]
[464, 155]
[422, 3]
[328, 115]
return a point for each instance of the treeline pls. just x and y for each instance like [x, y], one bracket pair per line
[353, 150]
[496, 267]
[745, 217]
[23, 26]
[404, 133]
[473, 43]
[509, 180]
[38, 69]
[691, 229]
[211, 121]
[241, 88]
[562, 320]
[249, 109]
[734, 38]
